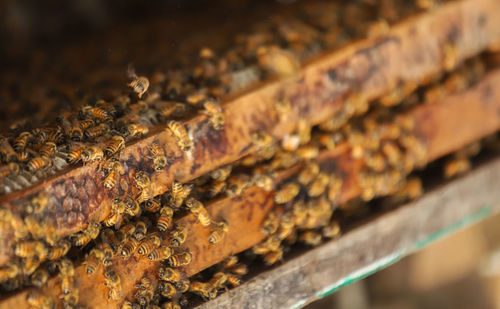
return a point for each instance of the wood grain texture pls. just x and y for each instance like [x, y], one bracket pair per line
[477, 115]
[372, 246]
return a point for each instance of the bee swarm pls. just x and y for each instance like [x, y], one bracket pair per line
[141, 198]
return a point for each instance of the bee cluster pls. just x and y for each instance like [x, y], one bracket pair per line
[144, 224]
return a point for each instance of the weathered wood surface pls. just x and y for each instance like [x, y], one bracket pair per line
[370, 247]
[412, 51]
[475, 111]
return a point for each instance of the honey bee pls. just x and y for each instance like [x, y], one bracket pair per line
[450, 56]
[318, 186]
[287, 224]
[125, 231]
[179, 193]
[216, 187]
[214, 111]
[94, 260]
[48, 149]
[393, 154]
[310, 238]
[239, 269]
[169, 274]
[237, 184]
[165, 219]
[136, 129]
[203, 289]
[222, 173]
[127, 304]
[159, 158]
[167, 289]
[456, 166]
[84, 237]
[308, 174]
[92, 154]
[39, 277]
[290, 142]
[273, 257]
[277, 61]
[178, 236]
[109, 237]
[139, 84]
[31, 248]
[180, 259]
[59, 250]
[272, 243]
[161, 253]
[230, 261]
[112, 280]
[182, 286]
[181, 134]
[148, 245]
[128, 247]
[71, 299]
[132, 207]
[233, 280]
[332, 230]
[9, 271]
[116, 169]
[9, 169]
[143, 182]
[38, 204]
[287, 193]
[307, 152]
[170, 305]
[40, 301]
[270, 225]
[30, 264]
[97, 131]
[218, 280]
[141, 229]
[22, 140]
[38, 163]
[197, 208]
[219, 232]
[264, 182]
[114, 145]
[75, 153]
[144, 292]
[152, 205]
[96, 113]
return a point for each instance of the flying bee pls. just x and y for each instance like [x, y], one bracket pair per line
[159, 158]
[96, 113]
[222, 173]
[92, 154]
[233, 280]
[180, 259]
[114, 145]
[94, 260]
[179, 193]
[311, 238]
[287, 193]
[178, 236]
[318, 186]
[239, 269]
[141, 230]
[97, 131]
[456, 166]
[214, 111]
[167, 289]
[39, 277]
[60, 249]
[22, 140]
[277, 61]
[38, 300]
[84, 237]
[197, 208]
[38, 204]
[169, 274]
[148, 245]
[139, 84]
[165, 219]
[230, 261]
[112, 280]
[219, 232]
[203, 289]
[38, 163]
[136, 129]
[48, 149]
[181, 134]
[152, 205]
[128, 247]
[161, 253]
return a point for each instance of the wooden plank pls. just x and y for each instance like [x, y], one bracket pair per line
[478, 114]
[368, 248]
[315, 93]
